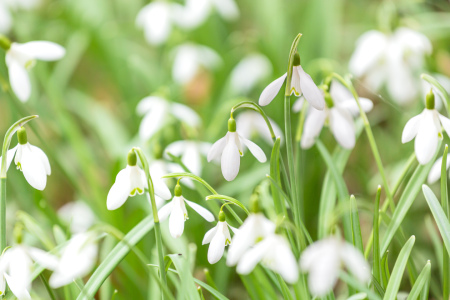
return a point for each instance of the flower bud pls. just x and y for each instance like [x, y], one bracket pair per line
[222, 216]
[132, 158]
[430, 100]
[231, 125]
[22, 136]
[177, 190]
[296, 60]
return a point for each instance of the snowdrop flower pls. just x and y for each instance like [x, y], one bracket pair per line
[301, 83]
[426, 129]
[156, 112]
[275, 253]
[131, 181]
[251, 70]
[252, 123]
[230, 149]
[435, 172]
[218, 237]
[177, 213]
[323, 261]
[16, 266]
[78, 215]
[31, 160]
[394, 59]
[190, 152]
[77, 260]
[21, 57]
[190, 58]
[156, 20]
[339, 111]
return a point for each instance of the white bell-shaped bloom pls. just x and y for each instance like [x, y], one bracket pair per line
[31, 160]
[254, 228]
[394, 59]
[132, 181]
[21, 57]
[218, 237]
[157, 112]
[338, 113]
[77, 259]
[190, 58]
[323, 261]
[251, 123]
[191, 153]
[177, 213]
[78, 215]
[156, 20]
[16, 266]
[435, 172]
[301, 84]
[230, 148]
[275, 253]
[250, 71]
[426, 129]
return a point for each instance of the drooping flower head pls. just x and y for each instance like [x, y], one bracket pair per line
[301, 84]
[177, 213]
[230, 148]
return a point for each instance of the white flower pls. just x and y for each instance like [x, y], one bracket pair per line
[435, 172]
[21, 57]
[218, 237]
[251, 70]
[77, 259]
[190, 58]
[158, 168]
[156, 20]
[131, 181]
[31, 160]
[394, 59]
[254, 228]
[275, 253]
[176, 209]
[301, 83]
[230, 148]
[426, 129]
[16, 266]
[157, 112]
[252, 123]
[78, 215]
[323, 260]
[190, 152]
[339, 111]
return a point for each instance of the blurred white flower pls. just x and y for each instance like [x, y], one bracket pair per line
[5, 18]
[426, 129]
[254, 228]
[21, 57]
[435, 172]
[190, 58]
[275, 253]
[339, 111]
[394, 59]
[158, 168]
[218, 237]
[323, 260]
[78, 215]
[252, 123]
[131, 181]
[301, 83]
[157, 112]
[251, 70]
[156, 20]
[230, 148]
[16, 266]
[31, 160]
[176, 209]
[77, 259]
[190, 152]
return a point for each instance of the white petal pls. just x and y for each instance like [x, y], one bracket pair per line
[402, 84]
[445, 123]
[426, 140]
[285, 262]
[206, 214]
[310, 90]
[20, 81]
[20, 268]
[227, 9]
[313, 125]
[342, 127]
[252, 257]
[9, 156]
[298, 104]
[435, 172]
[209, 235]
[255, 150]
[120, 190]
[295, 82]
[153, 120]
[355, 262]
[33, 168]
[43, 158]
[42, 50]
[241, 241]
[370, 48]
[155, 19]
[315, 252]
[19, 291]
[185, 114]
[45, 259]
[216, 247]
[216, 149]
[271, 91]
[323, 275]
[231, 159]
[159, 185]
[176, 219]
[351, 105]
[411, 128]
[164, 211]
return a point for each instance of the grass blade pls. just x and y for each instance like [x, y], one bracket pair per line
[424, 276]
[376, 240]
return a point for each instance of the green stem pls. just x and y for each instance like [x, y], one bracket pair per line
[151, 190]
[444, 203]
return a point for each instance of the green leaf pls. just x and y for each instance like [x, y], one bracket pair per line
[399, 269]
[385, 269]
[424, 276]
[356, 229]
[376, 239]
[188, 288]
[275, 175]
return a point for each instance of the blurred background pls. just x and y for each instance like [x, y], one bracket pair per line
[209, 60]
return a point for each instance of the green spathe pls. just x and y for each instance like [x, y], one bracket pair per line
[132, 158]
[22, 136]
[430, 100]
[231, 125]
